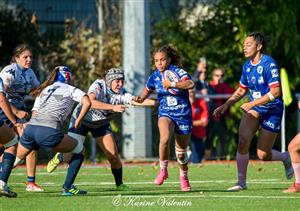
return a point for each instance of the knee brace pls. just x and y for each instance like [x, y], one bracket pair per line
[182, 152]
[12, 142]
[78, 148]
[77, 137]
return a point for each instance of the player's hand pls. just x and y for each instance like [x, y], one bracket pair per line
[220, 110]
[299, 104]
[22, 114]
[77, 123]
[247, 106]
[119, 108]
[166, 84]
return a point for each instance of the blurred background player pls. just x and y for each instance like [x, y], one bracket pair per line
[19, 79]
[200, 120]
[54, 102]
[175, 115]
[263, 113]
[108, 97]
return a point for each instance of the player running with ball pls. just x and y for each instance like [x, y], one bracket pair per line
[174, 111]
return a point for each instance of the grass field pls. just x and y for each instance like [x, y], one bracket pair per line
[265, 184]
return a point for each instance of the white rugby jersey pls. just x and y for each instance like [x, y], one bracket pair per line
[20, 82]
[54, 104]
[95, 117]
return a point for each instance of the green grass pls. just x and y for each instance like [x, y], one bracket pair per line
[265, 184]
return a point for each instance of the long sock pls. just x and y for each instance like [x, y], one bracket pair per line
[60, 157]
[30, 179]
[183, 172]
[296, 167]
[242, 165]
[74, 166]
[276, 155]
[7, 165]
[118, 175]
[0, 166]
[163, 164]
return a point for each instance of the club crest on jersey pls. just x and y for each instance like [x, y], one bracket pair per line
[260, 69]
[274, 73]
[172, 77]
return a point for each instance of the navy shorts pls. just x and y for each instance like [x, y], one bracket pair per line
[270, 118]
[35, 137]
[183, 125]
[83, 130]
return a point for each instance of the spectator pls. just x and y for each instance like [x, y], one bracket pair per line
[200, 120]
[201, 68]
[217, 127]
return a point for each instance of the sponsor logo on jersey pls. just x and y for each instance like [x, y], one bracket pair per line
[274, 73]
[248, 70]
[272, 65]
[260, 80]
[181, 72]
[260, 69]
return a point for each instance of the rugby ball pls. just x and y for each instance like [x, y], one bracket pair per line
[172, 77]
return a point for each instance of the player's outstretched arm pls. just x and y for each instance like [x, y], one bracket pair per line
[236, 96]
[146, 102]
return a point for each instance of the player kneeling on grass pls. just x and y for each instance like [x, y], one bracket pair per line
[108, 97]
[294, 150]
[174, 113]
[9, 140]
[54, 102]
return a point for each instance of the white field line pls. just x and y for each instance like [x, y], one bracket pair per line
[57, 173]
[256, 181]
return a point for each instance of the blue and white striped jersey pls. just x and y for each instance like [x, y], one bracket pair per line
[1, 86]
[95, 117]
[54, 104]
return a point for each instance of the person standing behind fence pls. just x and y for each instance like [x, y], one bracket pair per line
[201, 68]
[174, 112]
[200, 120]
[263, 113]
[217, 127]
[19, 79]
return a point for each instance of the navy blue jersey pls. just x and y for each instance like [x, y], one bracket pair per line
[259, 78]
[174, 105]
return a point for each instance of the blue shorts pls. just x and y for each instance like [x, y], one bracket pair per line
[83, 130]
[35, 137]
[183, 125]
[270, 119]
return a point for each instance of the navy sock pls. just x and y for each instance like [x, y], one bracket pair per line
[30, 179]
[60, 157]
[118, 175]
[7, 165]
[74, 166]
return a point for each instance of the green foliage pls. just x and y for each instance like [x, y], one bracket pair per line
[80, 51]
[16, 26]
